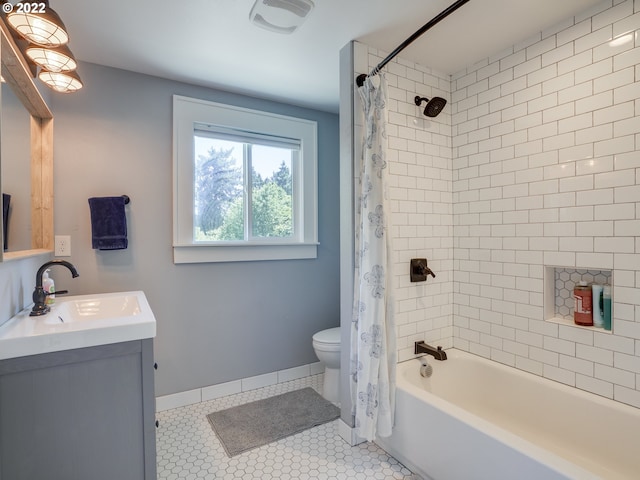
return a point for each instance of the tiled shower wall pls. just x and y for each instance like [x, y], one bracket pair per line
[534, 162]
[546, 172]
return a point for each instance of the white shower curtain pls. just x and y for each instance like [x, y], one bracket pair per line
[373, 352]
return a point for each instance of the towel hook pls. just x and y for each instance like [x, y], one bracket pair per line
[126, 199]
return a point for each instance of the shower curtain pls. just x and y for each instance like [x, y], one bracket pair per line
[373, 352]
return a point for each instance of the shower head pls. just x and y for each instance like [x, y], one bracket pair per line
[433, 106]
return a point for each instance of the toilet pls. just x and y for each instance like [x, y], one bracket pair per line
[326, 344]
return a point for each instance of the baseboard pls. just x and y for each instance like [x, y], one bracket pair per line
[190, 397]
[348, 434]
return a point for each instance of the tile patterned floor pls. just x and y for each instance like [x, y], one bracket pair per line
[188, 449]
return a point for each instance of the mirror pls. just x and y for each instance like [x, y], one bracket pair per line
[26, 155]
[15, 152]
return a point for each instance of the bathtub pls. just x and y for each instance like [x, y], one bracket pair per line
[475, 419]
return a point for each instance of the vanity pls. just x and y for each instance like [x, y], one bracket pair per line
[76, 384]
[77, 391]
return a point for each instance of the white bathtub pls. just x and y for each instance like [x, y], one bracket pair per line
[476, 419]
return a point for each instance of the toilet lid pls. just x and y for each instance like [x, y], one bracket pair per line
[331, 335]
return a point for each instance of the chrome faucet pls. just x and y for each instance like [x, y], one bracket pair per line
[39, 295]
[437, 353]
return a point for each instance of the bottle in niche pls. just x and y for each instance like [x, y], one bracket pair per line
[583, 306]
[606, 306]
[598, 305]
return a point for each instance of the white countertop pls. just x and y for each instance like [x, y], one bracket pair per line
[79, 321]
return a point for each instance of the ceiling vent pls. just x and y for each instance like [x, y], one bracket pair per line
[281, 16]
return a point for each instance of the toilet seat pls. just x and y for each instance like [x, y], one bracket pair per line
[328, 337]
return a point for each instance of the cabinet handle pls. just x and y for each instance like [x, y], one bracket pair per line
[157, 423]
[155, 365]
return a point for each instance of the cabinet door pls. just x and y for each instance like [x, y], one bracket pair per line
[75, 420]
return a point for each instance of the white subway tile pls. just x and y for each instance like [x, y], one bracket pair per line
[627, 24]
[574, 184]
[529, 365]
[576, 244]
[532, 65]
[559, 229]
[571, 94]
[594, 39]
[594, 385]
[626, 395]
[577, 365]
[628, 262]
[543, 187]
[527, 94]
[579, 152]
[543, 102]
[595, 197]
[618, 211]
[557, 54]
[626, 362]
[560, 258]
[559, 375]
[513, 86]
[618, 178]
[630, 127]
[567, 169]
[572, 33]
[614, 343]
[573, 122]
[622, 327]
[594, 260]
[628, 58]
[600, 356]
[501, 78]
[613, 114]
[543, 74]
[595, 134]
[614, 245]
[614, 80]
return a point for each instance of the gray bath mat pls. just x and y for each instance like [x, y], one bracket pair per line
[257, 423]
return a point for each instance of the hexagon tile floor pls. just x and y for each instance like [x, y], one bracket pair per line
[188, 449]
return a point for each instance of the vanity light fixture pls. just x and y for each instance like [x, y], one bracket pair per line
[38, 23]
[280, 16]
[63, 82]
[58, 59]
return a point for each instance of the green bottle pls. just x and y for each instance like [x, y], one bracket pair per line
[606, 297]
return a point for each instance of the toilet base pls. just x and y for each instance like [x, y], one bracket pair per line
[331, 389]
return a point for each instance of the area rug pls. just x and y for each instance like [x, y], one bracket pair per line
[264, 421]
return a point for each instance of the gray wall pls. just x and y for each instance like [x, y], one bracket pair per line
[216, 322]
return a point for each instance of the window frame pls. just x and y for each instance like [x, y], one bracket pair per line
[188, 115]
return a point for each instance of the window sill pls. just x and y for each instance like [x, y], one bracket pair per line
[243, 253]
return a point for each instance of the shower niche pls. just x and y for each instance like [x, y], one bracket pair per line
[559, 283]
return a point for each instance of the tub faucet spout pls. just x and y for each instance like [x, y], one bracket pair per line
[437, 353]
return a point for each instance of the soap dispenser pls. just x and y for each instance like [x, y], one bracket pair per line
[49, 288]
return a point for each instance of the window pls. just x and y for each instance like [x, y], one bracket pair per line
[244, 184]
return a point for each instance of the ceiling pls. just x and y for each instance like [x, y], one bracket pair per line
[212, 42]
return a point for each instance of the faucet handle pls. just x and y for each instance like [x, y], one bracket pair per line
[57, 292]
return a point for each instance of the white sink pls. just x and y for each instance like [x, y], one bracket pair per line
[95, 307]
[79, 321]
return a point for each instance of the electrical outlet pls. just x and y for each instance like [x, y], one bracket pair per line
[63, 246]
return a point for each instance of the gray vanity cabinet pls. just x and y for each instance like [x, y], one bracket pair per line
[83, 414]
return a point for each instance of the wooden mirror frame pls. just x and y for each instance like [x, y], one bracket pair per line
[17, 73]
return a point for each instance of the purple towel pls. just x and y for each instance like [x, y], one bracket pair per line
[108, 223]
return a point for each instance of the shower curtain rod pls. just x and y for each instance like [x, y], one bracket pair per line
[452, 8]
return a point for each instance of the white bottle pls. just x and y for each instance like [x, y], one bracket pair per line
[49, 288]
[598, 312]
